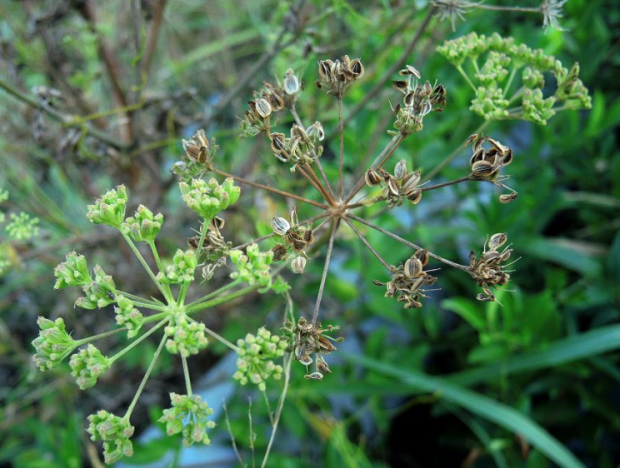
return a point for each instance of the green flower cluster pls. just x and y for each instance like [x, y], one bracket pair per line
[209, 198]
[186, 336]
[88, 365]
[255, 358]
[253, 266]
[73, 272]
[100, 293]
[144, 226]
[127, 315]
[182, 268]
[114, 431]
[53, 344]
[502, 60]
[189, 415]
[110, 208]
[22, 226]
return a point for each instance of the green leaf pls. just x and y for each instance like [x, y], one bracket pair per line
[563, 351]
[569, 254]
[468, 310]
[488, 408]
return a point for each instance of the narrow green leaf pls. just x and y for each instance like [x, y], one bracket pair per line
[483, 406]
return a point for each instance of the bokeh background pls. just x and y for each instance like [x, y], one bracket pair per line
[456, 383]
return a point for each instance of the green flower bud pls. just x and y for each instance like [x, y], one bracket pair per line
[253, 266]
[127, 315]
[99, 293]
[255, 358]
[143, 226]
[73, 272]
[209, 199]
[186, 337]
[182, 269]
[22, 227]
[115, 432]
[110, 209]
[53, 344]
[189, 415]
[88, 365]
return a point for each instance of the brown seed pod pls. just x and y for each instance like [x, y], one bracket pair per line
[278, 142]
[409, 70]
[298, 265]
[263, 108]
[400, 85]
[497, 240]
[410, 181]
[423, 255]
[413, 267]
[507, 198]
[372, 177]
[400, 170]
[279, 252]
[507, 158]
[482, 169]
[477, 156]
[393, 185]
[280, 226]
[308, 236]
[415, 196]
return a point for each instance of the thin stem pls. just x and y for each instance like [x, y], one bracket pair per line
[448, 183]
[270, 189]
[232, 436]
[408, 243]
[218, 337]
[158, 262]
[136, 298]
[151, 41]
[182, 293]
[287, 377]
[482, 6]
[385, 154]
[368, 245]
[341, 151]
[314, 155]
[328, 193]
[454, 154]
[188, 381]
[146, 267]
[215, 293]
[103, 335]
[513, 72]
[314, 181]
[219, 301]
[464, 75]
[328, 257]
[139, 339]
[146, 377]
[264, 392]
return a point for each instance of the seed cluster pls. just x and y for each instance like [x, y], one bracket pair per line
[295, 237]
[336, 76]
[487, 270]
[396, 187]
[409, 279]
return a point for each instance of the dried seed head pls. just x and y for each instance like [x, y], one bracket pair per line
[279, 252]
[372, 177]
[294, 218]
[357, 68]
[507, 158]
[477, 156]
[314, 376]
[497, 240]
[299, 244]
[392, 184]
[280, 225]
[316, 129]
[291, 82]
[507, 198]
[400, 170]
[298, 265]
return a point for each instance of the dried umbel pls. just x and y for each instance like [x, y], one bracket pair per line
[306, 339]
[397, 187]
[296, 238]
[409, 279]
[419, 100]
[302, 148]
[335, 77]
[487, 270]
[486, 163]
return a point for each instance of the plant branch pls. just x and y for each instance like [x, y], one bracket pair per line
[328, 257]
[270, 189]
[408, 243]
[188, 380]
[341, 150]
[448, 183]
[368, 245]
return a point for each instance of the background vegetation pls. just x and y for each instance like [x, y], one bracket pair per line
[459, 382]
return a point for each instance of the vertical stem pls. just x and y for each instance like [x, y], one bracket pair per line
[328, 257]
[138, 340]
[287, 377]
[159, 263]
[188, 381]
[146, 377]
[341, 131]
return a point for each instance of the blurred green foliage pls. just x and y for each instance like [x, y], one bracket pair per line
[533, 382]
